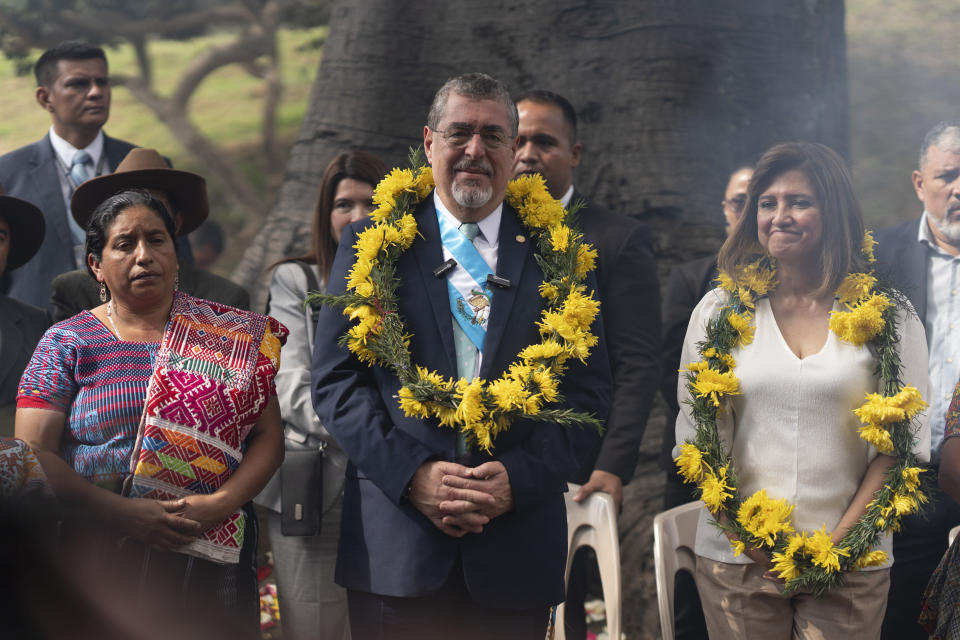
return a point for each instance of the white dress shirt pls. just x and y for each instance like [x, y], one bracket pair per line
[942, 325]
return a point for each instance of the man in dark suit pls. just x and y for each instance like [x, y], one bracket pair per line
[21, 325]
[630, 294]
[436, 543]
[74, 86]
[184, 194]
[921, 257]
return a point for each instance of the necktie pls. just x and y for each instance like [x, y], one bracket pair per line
[78, 175]
[78, 168]
[466, 350]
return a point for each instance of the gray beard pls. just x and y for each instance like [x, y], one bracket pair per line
[950, 230]
[471, 197]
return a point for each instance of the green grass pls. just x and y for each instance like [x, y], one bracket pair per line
[226, 106]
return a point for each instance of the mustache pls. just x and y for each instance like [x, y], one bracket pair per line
[465, 164]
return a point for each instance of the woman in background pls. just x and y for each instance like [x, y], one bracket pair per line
[311, 604]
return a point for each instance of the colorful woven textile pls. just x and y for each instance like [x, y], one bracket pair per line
[20, 471]
[81, 369]
[951, 425]
[213, 378]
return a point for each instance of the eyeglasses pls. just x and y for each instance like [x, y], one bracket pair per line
[493, 138]
[736, 203]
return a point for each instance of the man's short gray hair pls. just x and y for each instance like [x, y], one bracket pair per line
[944, 136]
[476, 86]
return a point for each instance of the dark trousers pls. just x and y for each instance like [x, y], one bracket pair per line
[688, 620]
[574, 616]
[448, 613]
[917, 551]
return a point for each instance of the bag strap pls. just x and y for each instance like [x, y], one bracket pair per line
[312, 285]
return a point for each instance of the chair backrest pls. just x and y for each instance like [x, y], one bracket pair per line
[674, 534]
[953, 534]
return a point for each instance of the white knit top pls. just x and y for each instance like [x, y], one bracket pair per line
[792, 430]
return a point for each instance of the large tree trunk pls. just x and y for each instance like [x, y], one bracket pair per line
[671, 97]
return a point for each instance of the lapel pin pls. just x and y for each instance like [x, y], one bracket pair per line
[521, 239]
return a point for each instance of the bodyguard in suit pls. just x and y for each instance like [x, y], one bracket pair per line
[183, 193]
[436, 544]
[73, 85]
[922, 258]
[629, 292]
[21, 325]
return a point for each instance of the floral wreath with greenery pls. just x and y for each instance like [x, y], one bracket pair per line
[478, 408]
[808, 561]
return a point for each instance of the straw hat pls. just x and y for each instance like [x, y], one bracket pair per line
[26, 229]
[145, 169]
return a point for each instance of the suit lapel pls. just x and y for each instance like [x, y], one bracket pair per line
[917, 267]
[45, 175]
[429, 255]
[511, 259]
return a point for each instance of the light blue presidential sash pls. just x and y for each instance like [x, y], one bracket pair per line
[470, 298]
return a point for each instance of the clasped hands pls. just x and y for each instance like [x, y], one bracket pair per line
[459, 500]
[168, 524]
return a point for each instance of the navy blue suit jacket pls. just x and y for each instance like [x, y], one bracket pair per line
[902, 259]
[31, 173]
[389, 548]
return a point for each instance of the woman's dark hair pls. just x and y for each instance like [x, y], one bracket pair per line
[843, 229]
[103, 216]
[356, 165]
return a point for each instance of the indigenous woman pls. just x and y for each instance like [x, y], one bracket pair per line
[311, 604]
[154, 414]
[781, 355]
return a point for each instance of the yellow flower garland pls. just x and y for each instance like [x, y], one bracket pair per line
[478, 408]
[804, 560]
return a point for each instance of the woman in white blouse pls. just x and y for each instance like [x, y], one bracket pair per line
[791, 429]
[311, 604]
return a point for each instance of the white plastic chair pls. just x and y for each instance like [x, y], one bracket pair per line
[593, 523]
[674, 534]
[953, 534]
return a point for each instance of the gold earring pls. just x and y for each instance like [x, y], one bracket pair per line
[103, 292]
[176, 281]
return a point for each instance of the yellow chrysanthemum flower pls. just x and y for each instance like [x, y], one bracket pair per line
[713, 384]
[872, 559]
[549, 291]
[586, 260]
[878, 437]
[725, 282]
[904, 504]
[855, 287]
[407, 227]
[863, 322]
[392, 185]
[867, 246]
[879, 410]
[434, 378]
[381, 213]
[910, 400]
[410, 405]
[547, 384]
[508, 393]
[470, 408]
[742, 324]
[690, 463]
[784, 565]
[580, 310]
[424, 182]
[757, 277]
[737, 546]
[559, 237]
[715, 490]
[543, 351]
[696, 367]
[822, 551]
[911, 477]
[764, 517]
[746, 297]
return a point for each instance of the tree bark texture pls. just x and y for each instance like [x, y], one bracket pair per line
[671, 96]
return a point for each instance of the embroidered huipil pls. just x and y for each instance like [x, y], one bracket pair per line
[792, 430]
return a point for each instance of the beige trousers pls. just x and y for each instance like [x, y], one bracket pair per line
[739, 603]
